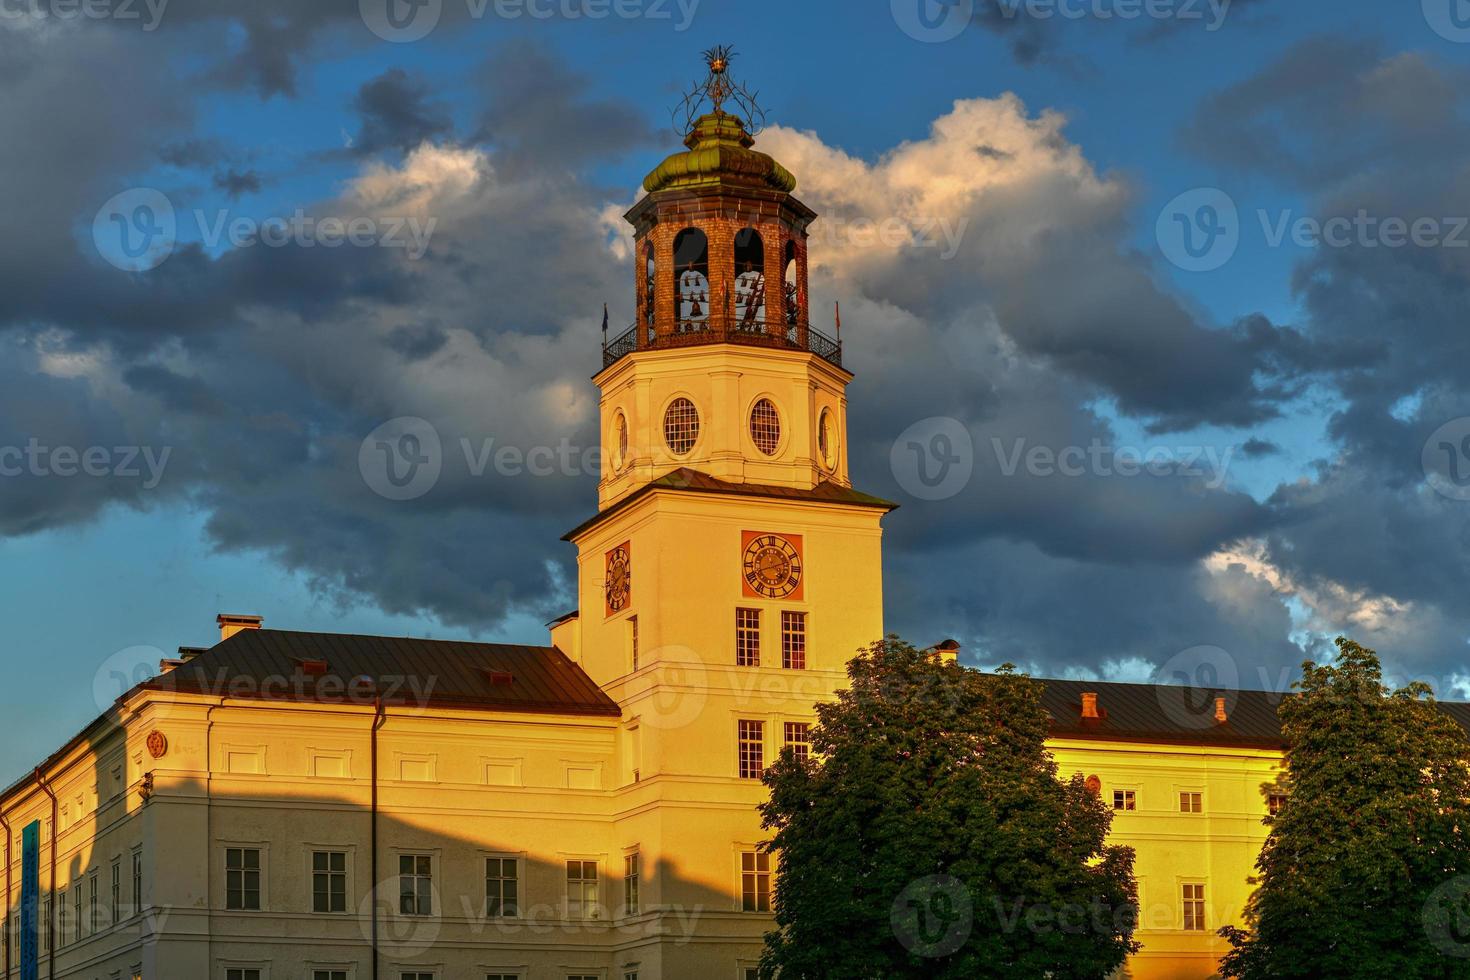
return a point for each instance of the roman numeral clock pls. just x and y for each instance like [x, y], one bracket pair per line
[771, 565]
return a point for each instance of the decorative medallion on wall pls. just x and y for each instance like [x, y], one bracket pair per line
[617, 582]
[157, 744]
[772, 566]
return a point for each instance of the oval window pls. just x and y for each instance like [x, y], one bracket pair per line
[620, 442]
[765, 427]
[681, 426]
[827, 440]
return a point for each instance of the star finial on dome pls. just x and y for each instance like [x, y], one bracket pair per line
[715, 90]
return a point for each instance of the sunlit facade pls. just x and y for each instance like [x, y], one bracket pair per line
[298, 806]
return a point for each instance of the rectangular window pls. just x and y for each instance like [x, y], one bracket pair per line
[502, 888]
[752, 737]
[415, 884]
[582, 976]
[1275, 802]
[582, 890]
[793, 640]
[94, 905]
[242, 879]
[328, 975]
[799, 739]
[501, 976]
[233, 974]
[137, 882]
[1191, 803]
[1194, 908]
[329, 881]
[747, 637]
[631, 871]
[415, 976]
[76, 904]
[633, 639]
[60, 926]
[1124, 799]
[116, 892]
[755, 881]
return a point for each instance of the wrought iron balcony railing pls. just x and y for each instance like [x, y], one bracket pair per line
[751, 333]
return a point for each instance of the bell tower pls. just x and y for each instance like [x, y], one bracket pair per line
[732, 569]
[722, 372]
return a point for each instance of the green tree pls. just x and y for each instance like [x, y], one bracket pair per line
[929, 836]
[1366, 872]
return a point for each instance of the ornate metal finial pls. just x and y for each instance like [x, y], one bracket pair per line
[717, 89]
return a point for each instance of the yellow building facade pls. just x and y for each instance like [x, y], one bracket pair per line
[306, 806]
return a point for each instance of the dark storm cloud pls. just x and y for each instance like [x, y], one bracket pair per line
[416, 341]
[235, 183]
[1357, 132]
[398, 113]
[540, 111]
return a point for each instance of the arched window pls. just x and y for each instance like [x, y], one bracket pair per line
[691, 280]
[650, 291]
[750, 280]
[793, 307]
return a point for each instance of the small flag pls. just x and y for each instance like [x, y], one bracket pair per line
[604, 318]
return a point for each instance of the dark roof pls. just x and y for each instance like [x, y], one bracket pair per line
[1176, 714]
[693, 481]
[402, 670]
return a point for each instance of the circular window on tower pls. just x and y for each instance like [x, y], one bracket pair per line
[827, 439]
[765, 427]
[620, 443]
[681, 426]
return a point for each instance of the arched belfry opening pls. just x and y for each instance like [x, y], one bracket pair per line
[721, 239]
[750, 281]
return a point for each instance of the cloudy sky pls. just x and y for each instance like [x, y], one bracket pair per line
[1179, 290]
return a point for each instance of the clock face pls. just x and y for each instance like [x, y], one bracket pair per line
[618, 580]
[772, 565]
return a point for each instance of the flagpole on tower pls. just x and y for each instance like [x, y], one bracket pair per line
[604, 327]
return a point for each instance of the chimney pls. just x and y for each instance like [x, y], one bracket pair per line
[1089, 705]
[948, 652]
[189, 653]
[229, 624]
[1221, 715]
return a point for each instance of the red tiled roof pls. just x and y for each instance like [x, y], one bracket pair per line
[402, 670]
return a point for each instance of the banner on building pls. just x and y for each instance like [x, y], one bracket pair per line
[30, 897]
